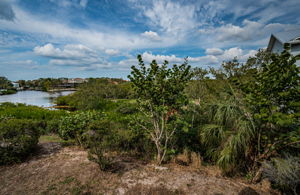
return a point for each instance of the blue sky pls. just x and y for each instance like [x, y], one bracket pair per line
[101, 38]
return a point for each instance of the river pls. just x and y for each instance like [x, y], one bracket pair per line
[36, 98]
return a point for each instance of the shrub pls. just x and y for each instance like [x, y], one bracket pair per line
[75, 125]
[284, 174]
[100, 140]
[22, 111]
[52, 126]
[161, 97]
[18, 137]
[127, 108]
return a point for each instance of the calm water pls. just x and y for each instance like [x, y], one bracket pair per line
[37, 98]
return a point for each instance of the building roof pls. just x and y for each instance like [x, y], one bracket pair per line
[284, 37]
[287, 36]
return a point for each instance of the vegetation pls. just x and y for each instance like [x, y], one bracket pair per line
[284, 173]
[45, 84]
[75, 125]
[242, 117]
[6, 86]
[5, 83]
[18, 137]
[95, 94]
[161, 99]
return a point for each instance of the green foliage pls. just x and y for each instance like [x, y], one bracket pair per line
[52, 126]
[49, 119]
[160, 85]
[274, 99]
[275, 94]
[251, 111]
[228, 135]
[94, 94]
[127, 108]
[100, 140]
[8, 91]
[75, 125]
[83, 101]
[284, 174]
[22, 111]
[18, 137]
[160, 92]
[5, 83]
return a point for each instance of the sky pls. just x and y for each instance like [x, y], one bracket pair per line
[101, 38]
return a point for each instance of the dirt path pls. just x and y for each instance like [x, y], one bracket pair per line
[58, 170]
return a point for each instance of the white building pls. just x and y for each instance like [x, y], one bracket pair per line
[16, 85]
[291, 37]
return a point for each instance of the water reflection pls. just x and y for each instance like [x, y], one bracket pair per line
[37, 98]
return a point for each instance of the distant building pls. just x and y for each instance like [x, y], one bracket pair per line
[291, 37]
[16, 85]
[77, 80]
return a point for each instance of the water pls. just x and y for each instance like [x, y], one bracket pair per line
[36, 98]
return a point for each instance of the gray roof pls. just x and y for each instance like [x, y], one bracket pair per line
[287, 36]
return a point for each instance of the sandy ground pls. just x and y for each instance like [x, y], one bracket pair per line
[66, 170]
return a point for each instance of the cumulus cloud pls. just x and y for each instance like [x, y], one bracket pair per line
[213, 58]
[151, 35]
[249, 32]
[71, 55]
[148, 57]
[69, 51]
[6, 11]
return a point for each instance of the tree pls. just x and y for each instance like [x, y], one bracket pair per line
[5, 83]
[256, 117]
[161, 95]
[274, 98]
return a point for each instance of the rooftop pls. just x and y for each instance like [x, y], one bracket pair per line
[287, 36]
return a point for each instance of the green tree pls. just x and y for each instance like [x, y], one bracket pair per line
[256, 114]
[274, 98]
[161, 95]
[5, 83]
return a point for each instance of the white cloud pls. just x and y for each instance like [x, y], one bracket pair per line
[98, 39]
[231, 53]
[250, 33]
[72, 55]
[69, 51]
[151, 35]
[148, 57]
[47, 50]
[112, 52]
[207, 60]
[172, 17]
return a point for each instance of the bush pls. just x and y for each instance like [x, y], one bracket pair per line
[52, 126]
[22, 111]
[284, 174]
[100, 141]
[75, 125]
[18, 137]
[127, 108]
[105, 136]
